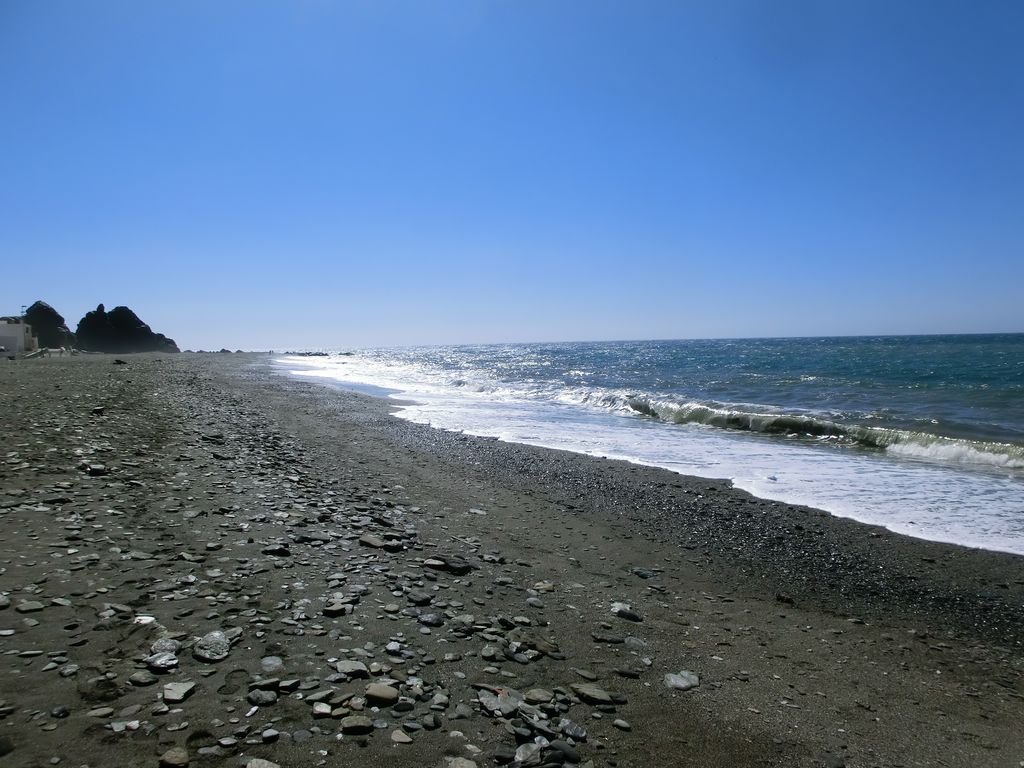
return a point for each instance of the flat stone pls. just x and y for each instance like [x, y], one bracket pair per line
[175, 757]
[591, 694]
[178, 692]
[356, 725]
[502, 704]
[29, 606]
[259, 762]
[142, 678]
[400, 737]
[352, 669]
[453, 565]
[381, 695]
[643, 573]
[625, 611]
[161, 662]
[574, 731]
[683, 681]
[539, 696]
[419, 597]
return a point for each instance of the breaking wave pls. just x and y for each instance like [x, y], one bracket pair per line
[476, 382]
[909, 443]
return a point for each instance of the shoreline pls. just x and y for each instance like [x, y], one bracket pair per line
[817, 537]
[872, 486]
[328, 533]
[399, 400]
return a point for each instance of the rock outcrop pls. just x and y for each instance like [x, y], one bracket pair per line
[48, 326]
[119, 330]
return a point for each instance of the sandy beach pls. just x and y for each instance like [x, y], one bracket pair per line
[205, 562]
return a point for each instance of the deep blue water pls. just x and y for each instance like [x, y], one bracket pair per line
[914, 432]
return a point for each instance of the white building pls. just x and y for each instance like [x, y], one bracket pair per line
[16, 336]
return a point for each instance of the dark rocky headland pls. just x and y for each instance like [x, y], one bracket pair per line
[204, 562]
[119, 331]
[49, 326]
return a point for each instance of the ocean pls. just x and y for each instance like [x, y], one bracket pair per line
[921, 434]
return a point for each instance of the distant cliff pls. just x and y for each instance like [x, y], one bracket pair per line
[119, 330]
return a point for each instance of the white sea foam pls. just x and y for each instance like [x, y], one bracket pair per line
[960, 451]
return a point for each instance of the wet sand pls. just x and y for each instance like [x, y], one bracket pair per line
[391, 594]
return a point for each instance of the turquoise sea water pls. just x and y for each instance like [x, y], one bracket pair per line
[922, 434]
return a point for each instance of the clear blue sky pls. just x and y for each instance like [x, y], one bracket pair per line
[321, 174]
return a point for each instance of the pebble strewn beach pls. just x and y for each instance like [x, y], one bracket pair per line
[203, 562]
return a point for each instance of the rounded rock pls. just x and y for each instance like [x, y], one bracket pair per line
[213, 646]
[683, 681]
[262, 698]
